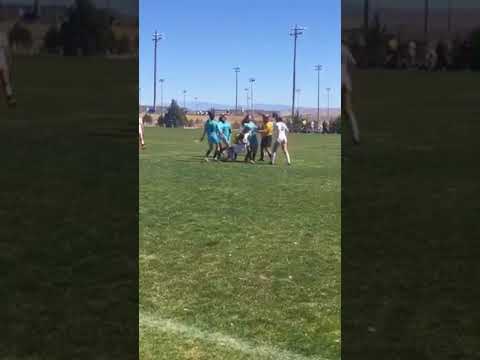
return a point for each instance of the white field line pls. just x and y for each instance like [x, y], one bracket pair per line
[263, 351]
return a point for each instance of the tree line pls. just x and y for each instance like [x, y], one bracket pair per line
[85, 30]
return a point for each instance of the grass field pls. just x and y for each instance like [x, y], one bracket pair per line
[410, 217]
[68, 241]
[239, 261]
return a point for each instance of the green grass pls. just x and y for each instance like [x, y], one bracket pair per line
[410, 217]
[244, 260]
[69, 210]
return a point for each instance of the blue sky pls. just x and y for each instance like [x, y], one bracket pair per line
[205, 39]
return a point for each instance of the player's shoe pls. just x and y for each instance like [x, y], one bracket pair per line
[206, 159]
[252, 162]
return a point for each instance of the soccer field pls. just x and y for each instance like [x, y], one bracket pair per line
[239, 261]
[410, 216]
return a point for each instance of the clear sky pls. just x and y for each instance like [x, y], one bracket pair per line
[205, 39]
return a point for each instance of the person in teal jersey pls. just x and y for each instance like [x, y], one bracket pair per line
[225, 133]
[252, 139]
[212, 131]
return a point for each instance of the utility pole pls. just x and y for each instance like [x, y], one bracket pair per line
[185, 100]
[237, 70]
[426, 21]
[295, 32]
[156, 38]
[252, 80]
[248, 101]
[161, 95]
[298, 101]
[318, 68]
[196, 104]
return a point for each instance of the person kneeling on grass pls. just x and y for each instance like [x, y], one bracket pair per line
[239, 147]
[212, 131]
[280, 131]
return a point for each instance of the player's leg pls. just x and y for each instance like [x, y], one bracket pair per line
[262, 149]
[210, 148]
[253, 155]
[249, 153]
[268, 146]
[141, 137]
[274, 153]
[218, 152]
[347, 105]
[285, 151]
[7, 85]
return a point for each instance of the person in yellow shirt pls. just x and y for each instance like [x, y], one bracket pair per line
[267, 134]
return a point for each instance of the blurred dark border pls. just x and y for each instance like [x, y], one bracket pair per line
[409, 204]
[69, 180]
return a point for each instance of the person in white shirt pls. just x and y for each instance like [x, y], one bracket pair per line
[348, 61]
[140, 132]
[280, 131]
[5, 79]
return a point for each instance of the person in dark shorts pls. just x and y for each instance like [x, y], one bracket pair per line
[267, 135]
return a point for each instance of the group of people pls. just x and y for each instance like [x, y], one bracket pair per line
[227, 146]
[5, 76]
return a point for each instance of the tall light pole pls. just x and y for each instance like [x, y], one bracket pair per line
[449, 17]
[161, 95]
[237, 70]
[295, 32]
[185, 100]
[298, 102]
[252, 103]
[318, 68]
[248, 102]
[196, 104]
[328, 104]
[426, 20]
[156, 38]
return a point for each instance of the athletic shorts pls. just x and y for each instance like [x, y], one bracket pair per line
[213, 139]
[280, 141]
[267, 141]
[226, 141]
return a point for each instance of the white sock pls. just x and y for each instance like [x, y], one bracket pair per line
[288, 157]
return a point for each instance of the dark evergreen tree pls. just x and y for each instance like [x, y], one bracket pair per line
[19, 35]
[87, 29]
[175, 116]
